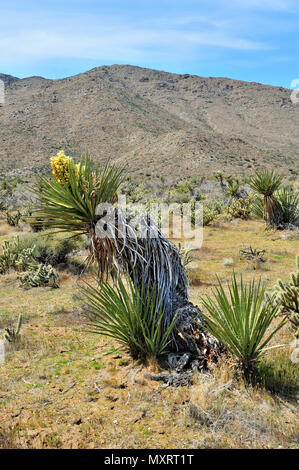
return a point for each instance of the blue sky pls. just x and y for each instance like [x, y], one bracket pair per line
[254, 40]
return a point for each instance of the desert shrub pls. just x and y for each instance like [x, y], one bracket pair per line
[240, 208]
[240, 321]
[208, 215]
[287, 295]
[51, 248]
[39, 275]
[279, 375]
[218, 205]
[131, 316]
[253, 255]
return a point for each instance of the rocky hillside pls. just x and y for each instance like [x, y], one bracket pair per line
[150, 121]
[7, 78]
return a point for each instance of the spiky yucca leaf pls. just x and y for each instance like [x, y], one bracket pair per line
[70, 206]
[289, 203]
[265, 182]
[240, 320]
[133, 316]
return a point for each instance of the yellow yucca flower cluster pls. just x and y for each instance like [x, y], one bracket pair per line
[61, 167]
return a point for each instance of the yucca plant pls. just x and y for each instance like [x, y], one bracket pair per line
[69, 204]
[265, 184]
[133, 316]
[240, 320]
[233, 188]
[289, 203]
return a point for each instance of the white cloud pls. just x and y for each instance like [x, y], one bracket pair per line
[112, 39]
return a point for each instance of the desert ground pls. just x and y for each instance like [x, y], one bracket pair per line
[63, 387]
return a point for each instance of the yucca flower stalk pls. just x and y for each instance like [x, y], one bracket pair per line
[265, 184]
[241, 319]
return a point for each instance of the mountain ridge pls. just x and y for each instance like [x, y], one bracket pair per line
[150, 121]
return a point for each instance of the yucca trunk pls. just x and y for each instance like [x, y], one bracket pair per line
[272, 211]
[155, 261]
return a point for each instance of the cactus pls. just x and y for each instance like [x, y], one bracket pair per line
[13, 256]
[240, 208]
[185, 254]
[12, 335]
[9, 254]
[39, 275]
[287, 295]
[13, 219]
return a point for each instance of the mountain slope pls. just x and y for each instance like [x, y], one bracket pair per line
[152, 121]
[7, 78]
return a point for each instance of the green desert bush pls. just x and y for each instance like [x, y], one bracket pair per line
[132, 316]
[279, 375]
[52, 248]
[240, 321]
[288, 299]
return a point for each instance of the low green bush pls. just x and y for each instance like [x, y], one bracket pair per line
[52, 248]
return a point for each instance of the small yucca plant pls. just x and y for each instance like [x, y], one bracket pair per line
[133, 316]
[289, 203]
[265, 184]
[240, 320]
